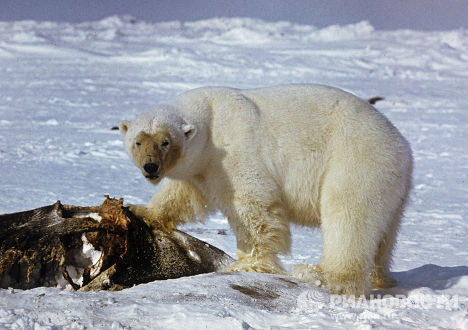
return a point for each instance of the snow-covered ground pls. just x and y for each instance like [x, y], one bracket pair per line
[64, 86]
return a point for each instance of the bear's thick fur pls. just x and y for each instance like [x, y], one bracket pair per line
[308, 154]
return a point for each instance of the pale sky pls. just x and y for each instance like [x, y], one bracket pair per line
[382, 14]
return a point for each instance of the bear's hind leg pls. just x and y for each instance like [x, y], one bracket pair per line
[347, 257]
[350, 231]
[380, 276]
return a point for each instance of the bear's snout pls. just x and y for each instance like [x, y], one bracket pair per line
[152, 170]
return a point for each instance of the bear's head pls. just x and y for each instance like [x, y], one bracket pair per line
[156, 147]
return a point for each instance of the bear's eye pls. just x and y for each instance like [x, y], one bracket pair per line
[138, 143]
[165, 143]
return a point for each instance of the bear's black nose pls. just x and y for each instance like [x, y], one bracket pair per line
[151, 168]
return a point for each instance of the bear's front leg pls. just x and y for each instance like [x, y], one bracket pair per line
[175, 202]
[262, 232]
[152, 217]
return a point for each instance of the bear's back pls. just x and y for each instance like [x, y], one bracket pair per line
[297, 116]
[305, 102]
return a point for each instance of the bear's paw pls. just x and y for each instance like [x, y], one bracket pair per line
[258, 264]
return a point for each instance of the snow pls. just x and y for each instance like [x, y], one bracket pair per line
[64, 86]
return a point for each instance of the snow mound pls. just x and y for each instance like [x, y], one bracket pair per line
[235, 300]
[74, 39]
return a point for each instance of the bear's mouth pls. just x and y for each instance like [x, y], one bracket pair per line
[151, 170]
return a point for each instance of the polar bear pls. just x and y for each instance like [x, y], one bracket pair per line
[312, 155]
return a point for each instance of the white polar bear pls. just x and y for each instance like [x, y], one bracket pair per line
[308, 154]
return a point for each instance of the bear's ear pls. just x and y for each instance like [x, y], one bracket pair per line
[189, 131]
[124, 127]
